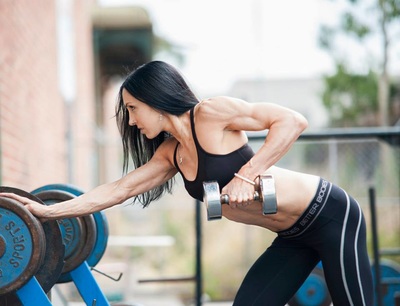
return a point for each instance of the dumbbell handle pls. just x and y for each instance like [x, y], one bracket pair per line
[225, 197]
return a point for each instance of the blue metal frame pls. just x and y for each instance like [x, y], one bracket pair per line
[32, 294]
[87, 286]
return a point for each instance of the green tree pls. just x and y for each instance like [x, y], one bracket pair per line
[364, 97]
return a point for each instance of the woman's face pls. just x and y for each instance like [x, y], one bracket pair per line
[147, 119]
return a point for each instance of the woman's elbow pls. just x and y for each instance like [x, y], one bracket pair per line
[299, 122]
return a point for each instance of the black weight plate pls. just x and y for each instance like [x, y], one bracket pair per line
[23, 245]
[85, 238]
[53, 263]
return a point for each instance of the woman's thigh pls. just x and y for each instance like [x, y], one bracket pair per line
[276, 275]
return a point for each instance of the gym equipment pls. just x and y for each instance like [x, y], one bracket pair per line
[265, 193]
[314, 291]
[99, 218]
[389, 281]
[22, 245]
[32, 253]
[53, 262]
[386, 274]
[36, 256]
[80, 236]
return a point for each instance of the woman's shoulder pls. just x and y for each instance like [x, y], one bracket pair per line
[217, 105]
[218, 100]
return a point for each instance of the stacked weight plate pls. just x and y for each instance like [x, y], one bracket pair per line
[48, 251]
[85, 238]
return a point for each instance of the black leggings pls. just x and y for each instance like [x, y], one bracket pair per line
[331, 230]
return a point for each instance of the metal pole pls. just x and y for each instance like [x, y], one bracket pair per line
[199, 278]
[375, 246]
[67, 72]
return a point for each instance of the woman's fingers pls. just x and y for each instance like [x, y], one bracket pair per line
[34, 207]
[16, 197]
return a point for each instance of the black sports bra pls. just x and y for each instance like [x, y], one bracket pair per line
[213, 167]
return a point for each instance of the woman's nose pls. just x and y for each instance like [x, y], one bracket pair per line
[132, 121]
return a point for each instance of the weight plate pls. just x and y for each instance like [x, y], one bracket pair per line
[99, 218]
[61, 187]
[313, 292]
[212, 199]
[53, 262]
[10, 299]
[101, 239]
[71, 228]
[23, 245]
[390, 281]
[78, 233]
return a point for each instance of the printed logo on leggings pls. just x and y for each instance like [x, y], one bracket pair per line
[314, 208]
[311, 211]
[322, 191]
[290, 232]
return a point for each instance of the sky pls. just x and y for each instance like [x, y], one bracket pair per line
[228, 40]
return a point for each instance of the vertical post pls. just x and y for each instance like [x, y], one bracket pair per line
[375, 246]
[199, 279]
[67, 72]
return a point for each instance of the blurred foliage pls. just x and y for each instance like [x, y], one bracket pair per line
[353, 98]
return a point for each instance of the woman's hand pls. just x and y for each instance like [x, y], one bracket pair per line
[240, 192]
[39, 210]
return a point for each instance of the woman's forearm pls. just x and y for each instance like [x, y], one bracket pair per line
[102, 197]
[279, 140]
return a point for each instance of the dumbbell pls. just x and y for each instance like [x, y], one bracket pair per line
[264, 193]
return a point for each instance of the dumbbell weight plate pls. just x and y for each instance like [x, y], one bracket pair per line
[79, 234]
[22, 245]
[212, 199]
[99, 218]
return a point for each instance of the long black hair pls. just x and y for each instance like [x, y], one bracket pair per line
[162, 87]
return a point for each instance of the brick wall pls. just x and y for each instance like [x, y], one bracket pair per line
[32, 111]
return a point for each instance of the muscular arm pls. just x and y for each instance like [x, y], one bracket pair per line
[157, 171]
[284, 127]
[138, 181]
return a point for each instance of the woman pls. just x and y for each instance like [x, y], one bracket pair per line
[166, 130]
